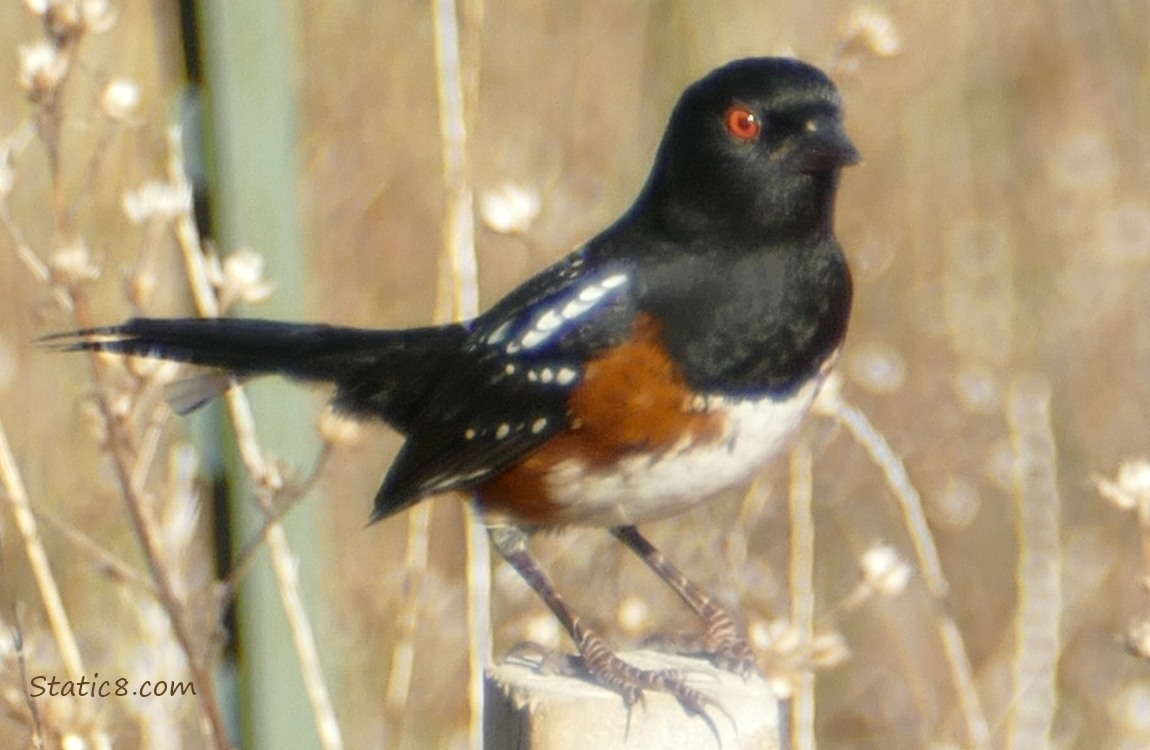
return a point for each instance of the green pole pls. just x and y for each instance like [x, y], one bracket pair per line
[249, 55]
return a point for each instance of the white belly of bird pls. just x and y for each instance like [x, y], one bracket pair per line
[649, 486]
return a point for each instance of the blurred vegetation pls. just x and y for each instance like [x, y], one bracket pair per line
[999, 232]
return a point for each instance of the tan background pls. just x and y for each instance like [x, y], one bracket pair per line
[1000, 235]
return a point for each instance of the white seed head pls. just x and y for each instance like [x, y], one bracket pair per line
[243, 272]
[632, 616]
[542, 629]
[791, 653]
[42, 67]
[157, 200]
[1131, 489]
[829, 649]
[98, 15]
[509, 208]
[121, 99]
[874, 31]
[1138, 639]
[73, 741]
[885, 571]
[73, 264]
[69, 18]
[878, 367]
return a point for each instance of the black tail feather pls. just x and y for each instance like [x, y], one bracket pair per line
[383, 373]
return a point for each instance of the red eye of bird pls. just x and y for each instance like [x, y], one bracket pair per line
[743, 123]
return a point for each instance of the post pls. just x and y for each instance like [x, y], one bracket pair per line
[529, 709]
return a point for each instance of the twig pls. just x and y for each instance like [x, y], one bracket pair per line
[800, 725]
[116, 568]
[1039, 574]
[459, 219]
[38, 561]
[459, 249]
[144, 527]
[954, 647]
[403, 653]
[266, 479]
[288, 498]
[47, 94]
[12, 146]
[22, 667]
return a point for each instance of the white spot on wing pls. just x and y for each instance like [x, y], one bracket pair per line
[499, 333]
[553, 319]
[575, 308]
[538, 425]
[532, 339]
[549, 321]
[502, 431]
[613, 281]
[566, 376]
[591, 293]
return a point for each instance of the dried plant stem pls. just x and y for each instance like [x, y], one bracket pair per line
[12, 146]
[47, 126]
[48, 120]
[454, 90]
[403, 654]
[459, 220]
[22, 666]
[285, 566]
[188, 236]
[266, 480]
[1039, 573]
[62, 631]
[286, 498]
[143, 524]
[801, 723]
[105, 560]
[954, 647]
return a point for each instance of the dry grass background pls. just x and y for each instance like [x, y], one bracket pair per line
[1000, 236]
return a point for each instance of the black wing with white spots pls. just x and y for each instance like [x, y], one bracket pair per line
[523, 359]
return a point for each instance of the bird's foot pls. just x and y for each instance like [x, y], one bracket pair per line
[721, 644]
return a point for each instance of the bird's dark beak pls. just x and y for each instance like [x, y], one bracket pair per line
[822, 148]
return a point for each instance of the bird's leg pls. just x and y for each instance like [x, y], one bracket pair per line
[722, 643]
[598, 660]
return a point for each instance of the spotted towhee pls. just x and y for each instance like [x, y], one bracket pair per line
[663, 361]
